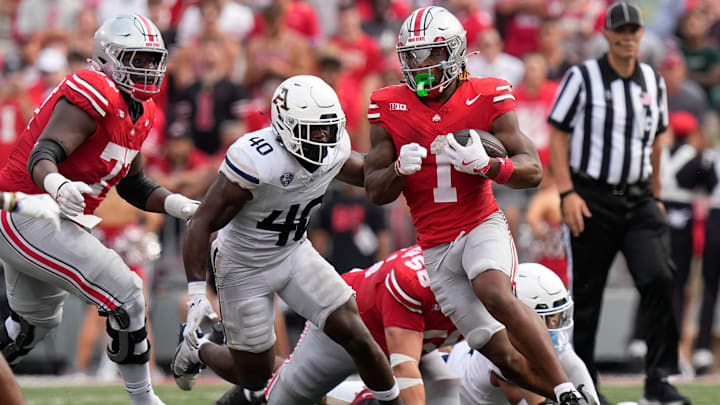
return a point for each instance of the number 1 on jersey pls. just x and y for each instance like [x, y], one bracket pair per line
[444, 192]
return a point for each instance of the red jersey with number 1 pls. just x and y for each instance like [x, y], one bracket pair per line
[104, 158]
[443, 202]
[395, 292]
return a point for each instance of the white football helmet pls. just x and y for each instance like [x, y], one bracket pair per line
[542, 290]
[431, 34]
[131, 51]
[301, 103]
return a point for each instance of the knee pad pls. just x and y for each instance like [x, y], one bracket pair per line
[122, 347]
[128, 335]
[14, 350]
[478, 338]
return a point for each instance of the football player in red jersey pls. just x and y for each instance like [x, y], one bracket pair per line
[84, 139]
[398, 307]
[469, 253]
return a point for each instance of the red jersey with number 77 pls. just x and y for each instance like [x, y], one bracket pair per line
[443, 202]
[104, 158]
[396, 292]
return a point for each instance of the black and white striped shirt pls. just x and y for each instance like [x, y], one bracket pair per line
[612, 121]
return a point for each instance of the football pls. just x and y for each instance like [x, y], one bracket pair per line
[493, 146]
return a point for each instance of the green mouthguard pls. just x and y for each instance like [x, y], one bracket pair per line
[424, 81]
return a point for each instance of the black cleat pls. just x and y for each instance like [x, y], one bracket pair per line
[661, 392]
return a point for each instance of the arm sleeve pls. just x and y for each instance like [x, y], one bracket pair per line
[562, 113]
[239, 167]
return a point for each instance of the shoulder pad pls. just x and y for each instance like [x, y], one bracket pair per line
[379, 102]
[407, 281]
[92, 91]
[240, 164]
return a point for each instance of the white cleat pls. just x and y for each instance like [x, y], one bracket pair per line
[184, 368]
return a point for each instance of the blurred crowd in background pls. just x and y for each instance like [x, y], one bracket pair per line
[226, 57]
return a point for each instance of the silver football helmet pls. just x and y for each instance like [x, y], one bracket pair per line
[431, 35]
[131, 51]
[300, 105]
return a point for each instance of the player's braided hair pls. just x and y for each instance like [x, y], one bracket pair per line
[464, 75]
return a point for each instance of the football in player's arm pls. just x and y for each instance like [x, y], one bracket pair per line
[469, 254]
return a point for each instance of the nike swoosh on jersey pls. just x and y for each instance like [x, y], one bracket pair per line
[464, 163]
[469, 101]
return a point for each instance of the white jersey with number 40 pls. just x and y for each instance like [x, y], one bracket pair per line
[271, 225]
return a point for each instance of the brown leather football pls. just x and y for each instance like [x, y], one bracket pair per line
[493, 146]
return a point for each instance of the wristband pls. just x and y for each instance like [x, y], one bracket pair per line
[396, 167]
[387, 395]
[9, 201]
[196, 288]
[174, 205]
[52, 183]
[506, 170]
[566, 193]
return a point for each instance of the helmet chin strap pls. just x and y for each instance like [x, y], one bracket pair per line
[143, 92]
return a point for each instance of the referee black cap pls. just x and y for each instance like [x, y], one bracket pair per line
[622, 13]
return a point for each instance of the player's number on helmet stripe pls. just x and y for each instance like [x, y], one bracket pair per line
[290, 225]
[444, 192]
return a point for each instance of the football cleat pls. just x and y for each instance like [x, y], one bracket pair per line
[661, 392]
[240, 396]
[572, 397]
[184, 369]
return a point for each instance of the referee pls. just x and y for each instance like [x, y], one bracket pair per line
[605, 123]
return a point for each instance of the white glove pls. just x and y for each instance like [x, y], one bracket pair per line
[38, 206]
[410, 159]
[67, 193]
[180, 206]
[471, 159]
[200, 313]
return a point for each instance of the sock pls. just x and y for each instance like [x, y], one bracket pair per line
[137, 382]
[12, 328]
[563, 388]
[195, 353]
[387, 395]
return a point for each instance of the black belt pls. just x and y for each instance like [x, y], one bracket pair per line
[638, 189]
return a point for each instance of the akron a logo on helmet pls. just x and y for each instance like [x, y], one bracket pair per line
[431, 46]
[308, 118]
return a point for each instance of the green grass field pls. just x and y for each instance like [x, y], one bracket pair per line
[701, 394]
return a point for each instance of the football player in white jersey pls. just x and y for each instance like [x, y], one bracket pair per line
[269, 183]
[482, 383]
